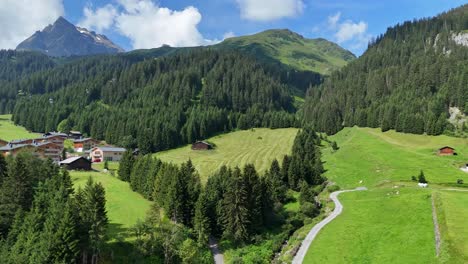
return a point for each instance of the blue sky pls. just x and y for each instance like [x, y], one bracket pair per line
[150, 23]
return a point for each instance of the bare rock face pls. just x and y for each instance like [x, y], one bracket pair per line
[65, 39]
[461, 38]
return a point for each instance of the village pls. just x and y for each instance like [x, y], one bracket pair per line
[79, 155]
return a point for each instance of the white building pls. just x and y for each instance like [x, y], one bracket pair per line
[100, 154]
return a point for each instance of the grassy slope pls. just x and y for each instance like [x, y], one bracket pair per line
[379, 226]
[259, 146]
[8, 130]
[374, 157]
[124, 207]
[318, 55]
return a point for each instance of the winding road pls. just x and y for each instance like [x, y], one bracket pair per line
[316, 229]
[217, 255]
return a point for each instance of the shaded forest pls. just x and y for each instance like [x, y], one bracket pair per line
[406, 80]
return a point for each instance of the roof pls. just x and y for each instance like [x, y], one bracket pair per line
[83, 140]
[111, 149]
[446, 147]
[75, 132]
[71, 160]
[9, 147]
[203, 142]
[53, 133]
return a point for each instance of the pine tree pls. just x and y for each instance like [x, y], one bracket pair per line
[234, 210]
[126, 165]
[421, 177]
[201, 220]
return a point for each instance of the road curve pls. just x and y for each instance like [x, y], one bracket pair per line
[299, 258]
[217, 255]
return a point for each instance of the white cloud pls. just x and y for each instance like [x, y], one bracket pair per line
[354, 34]
[229, 34]
[100, 19]
[269, 10]
[148, 25]
[20, 19]
[350, 30]
[333, 20]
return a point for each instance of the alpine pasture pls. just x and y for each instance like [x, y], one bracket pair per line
[9, 131]
[257, 146]
[392, 222]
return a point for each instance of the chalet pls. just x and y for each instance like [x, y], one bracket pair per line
[43, 150]
[3, 142]
[201, 145]
[75, 135]
[99, 154]
[76, 163]
[53, 133]
[446, 151]
[13, 149]
[56, 139]
[48, 150]
[83, 144]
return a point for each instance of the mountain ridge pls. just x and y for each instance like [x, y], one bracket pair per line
[63, 39]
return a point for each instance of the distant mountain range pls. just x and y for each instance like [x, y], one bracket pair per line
[64, 39]
[283, 47]
[291, 49]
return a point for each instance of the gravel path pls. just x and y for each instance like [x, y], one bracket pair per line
[316, 229]
[217, 255]
[436, 227]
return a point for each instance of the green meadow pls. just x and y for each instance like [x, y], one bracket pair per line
[124, 207]
[373, 157]
[9, 131]
[257, 146]
[392, 222]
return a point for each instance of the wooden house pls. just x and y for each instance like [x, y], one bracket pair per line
[76, 163]
[201, 145]
[446, 151]
[75, 135]
[84, 144]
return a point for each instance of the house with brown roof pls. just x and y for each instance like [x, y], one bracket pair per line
[446, 151]
[3, 142]
[201, 145]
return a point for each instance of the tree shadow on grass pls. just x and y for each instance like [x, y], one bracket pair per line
[120, 247]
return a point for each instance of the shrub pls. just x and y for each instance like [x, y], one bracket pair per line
[333, 188]
[459, 181]
[413, 178]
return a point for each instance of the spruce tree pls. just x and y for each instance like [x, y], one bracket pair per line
[126, 165]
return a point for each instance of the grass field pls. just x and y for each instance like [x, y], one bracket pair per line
[452, 213]
[124, 207]
[373, 157]
[8, 130]
[259, 146]
[379, 225]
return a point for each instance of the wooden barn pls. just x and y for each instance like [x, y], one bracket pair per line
[201, 145]
[446, 151]
[76, 163]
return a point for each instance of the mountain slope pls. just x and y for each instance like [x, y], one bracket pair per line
[292, 49]
[64, 39]
[406, 80]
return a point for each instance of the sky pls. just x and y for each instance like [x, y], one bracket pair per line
[137, 24]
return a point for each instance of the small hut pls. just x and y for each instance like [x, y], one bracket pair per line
[76, 163]
[446, 151]
[201, 145]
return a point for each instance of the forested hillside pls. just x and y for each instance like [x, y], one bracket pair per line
[14, 66]
[162, 102]
[406, 80]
